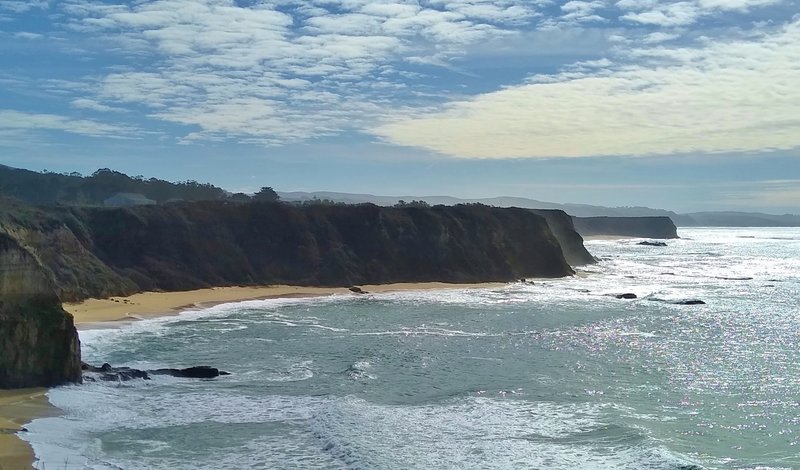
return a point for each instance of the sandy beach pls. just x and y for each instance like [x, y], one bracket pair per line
[93, 313]
[18, 407]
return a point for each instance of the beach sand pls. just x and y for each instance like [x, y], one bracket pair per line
[94, 313]
[18, 407]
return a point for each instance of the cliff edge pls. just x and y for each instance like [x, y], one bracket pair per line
[38, 341]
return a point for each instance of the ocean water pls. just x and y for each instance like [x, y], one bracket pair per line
[551, 374]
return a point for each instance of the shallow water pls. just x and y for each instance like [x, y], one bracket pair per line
[554, 374]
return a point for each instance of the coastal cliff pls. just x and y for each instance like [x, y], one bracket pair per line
[563, 227]
[38, 341]
[101, 252]
[188, 246]
[644, 227]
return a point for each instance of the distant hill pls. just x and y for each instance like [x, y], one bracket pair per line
[694, 219]
[75, 189]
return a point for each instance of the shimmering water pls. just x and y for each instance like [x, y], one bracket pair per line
[554, 374]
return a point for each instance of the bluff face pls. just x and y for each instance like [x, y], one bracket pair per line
[188, 246]
[100, 252]
[38, 341]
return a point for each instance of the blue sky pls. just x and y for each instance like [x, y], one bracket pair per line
[683, 105]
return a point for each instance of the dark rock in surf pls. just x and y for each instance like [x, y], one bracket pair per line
[199, 372]
[107, 373]
[651, 243]
[627, 295]
[689, 302]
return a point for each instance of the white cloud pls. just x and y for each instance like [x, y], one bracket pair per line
[728, 96]
[27, 35]
[21, 6]
[275, 76]
[282, 71]
[12, 121]
[92, 105]
[670, 14]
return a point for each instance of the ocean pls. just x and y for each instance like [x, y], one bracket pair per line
[546, 374]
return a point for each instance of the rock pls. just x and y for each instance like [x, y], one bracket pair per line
[108, 373]
[652, 243]
[689, 302]
[627, 295]
[199, 372]
[357, 290]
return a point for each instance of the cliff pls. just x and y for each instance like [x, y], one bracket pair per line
[99, 252]
[644, 227]
[189, 246]
[563, 228]
[38, 341]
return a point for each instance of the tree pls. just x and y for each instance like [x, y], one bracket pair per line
[266, 194]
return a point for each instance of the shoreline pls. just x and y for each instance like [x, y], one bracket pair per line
[118, 311]
[17, 408]
[589, 238]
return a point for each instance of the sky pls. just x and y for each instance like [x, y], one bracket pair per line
[683, 105]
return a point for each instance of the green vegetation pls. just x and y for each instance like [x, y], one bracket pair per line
[74, 189]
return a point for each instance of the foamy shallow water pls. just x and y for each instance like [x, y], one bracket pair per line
[554, 374]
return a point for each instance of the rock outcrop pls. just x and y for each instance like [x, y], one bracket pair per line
[38, 342]
[107, 373]
[639, 227]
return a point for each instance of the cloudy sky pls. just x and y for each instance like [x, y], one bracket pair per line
[684, 105]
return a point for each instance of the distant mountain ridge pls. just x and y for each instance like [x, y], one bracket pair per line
[693, 219]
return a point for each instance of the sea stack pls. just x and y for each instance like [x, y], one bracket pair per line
[39, 344]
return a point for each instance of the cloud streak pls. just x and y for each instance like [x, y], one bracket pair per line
[17, 122]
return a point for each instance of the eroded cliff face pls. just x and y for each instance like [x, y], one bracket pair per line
[644, 227]
[38, 342]
[99, 252]
[563, 228]
[188, 246]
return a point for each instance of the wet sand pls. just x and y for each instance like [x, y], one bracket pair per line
[18, 407]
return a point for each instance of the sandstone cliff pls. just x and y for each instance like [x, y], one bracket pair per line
[644, 227]
[38, 341]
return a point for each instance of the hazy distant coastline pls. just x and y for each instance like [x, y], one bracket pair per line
[693, 219]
